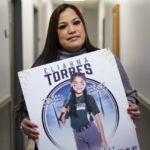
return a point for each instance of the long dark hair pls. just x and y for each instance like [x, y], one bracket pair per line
[72, 100]
[52, 45]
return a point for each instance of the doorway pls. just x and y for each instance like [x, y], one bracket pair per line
[36, 33]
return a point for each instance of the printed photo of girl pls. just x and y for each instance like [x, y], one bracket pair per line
[82, 109]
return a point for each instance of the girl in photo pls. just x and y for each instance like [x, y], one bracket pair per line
[80, 107]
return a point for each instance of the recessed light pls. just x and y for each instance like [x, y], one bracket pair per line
[74, 0]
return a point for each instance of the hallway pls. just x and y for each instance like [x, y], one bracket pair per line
[119, 25]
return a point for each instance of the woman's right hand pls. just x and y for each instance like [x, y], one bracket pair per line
[28, 128]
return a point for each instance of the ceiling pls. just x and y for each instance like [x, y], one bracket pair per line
[86, 3]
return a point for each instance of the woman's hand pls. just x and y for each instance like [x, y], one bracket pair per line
[134, 111]
[28, 128]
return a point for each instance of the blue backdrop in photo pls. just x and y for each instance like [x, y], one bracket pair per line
[63, 136]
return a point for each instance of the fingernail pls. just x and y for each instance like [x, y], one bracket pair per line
[132, 117]
[35, 126]
[130, 112]
[37, 133]
[128, 109]
[36, 137]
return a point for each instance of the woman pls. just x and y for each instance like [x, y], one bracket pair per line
[80, 108]
[67, 37]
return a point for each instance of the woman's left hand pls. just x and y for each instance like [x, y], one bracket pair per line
[134, 111]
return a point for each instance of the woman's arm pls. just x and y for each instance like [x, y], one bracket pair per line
[24, 123]
[131, 94]
[101, 130]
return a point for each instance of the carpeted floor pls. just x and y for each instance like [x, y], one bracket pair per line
[143, 128]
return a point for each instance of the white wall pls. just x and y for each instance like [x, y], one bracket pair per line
[135, 45]
[134, 41]
[5, 51]
[91, 19]
[100, 23]
[44, 8]
[27, 33]
[46, 11]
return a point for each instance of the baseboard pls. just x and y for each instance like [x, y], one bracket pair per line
[145, 101]
[4, 101]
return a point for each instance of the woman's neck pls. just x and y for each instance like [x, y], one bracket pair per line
[63, 54]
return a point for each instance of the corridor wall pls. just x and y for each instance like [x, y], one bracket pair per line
[5, 51]
[134, 41]
[5, 75]
[135, 45]
[91, 19]
[44, 8]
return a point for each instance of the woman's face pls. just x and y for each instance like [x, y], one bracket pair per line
[78, 85]
[71, 33]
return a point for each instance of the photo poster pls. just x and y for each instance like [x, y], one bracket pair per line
[46, 88]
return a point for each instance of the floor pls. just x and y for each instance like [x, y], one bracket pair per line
[30, 145]
[143, 130]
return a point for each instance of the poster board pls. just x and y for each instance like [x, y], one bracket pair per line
[46, 88]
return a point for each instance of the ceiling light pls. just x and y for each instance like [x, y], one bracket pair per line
[74, 0]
